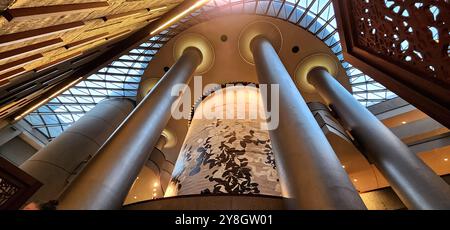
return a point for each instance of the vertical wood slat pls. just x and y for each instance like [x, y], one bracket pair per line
[30, 48]
[28, 13]
[14, 38]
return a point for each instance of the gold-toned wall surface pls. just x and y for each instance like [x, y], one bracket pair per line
[226, 154]
[85, 25]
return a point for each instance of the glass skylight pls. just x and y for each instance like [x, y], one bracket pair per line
[121, 78]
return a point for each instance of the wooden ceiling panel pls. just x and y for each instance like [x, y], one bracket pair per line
[15, 27]
[27, 43]
[20, 37]
[28, 23]
[15, 54]
[47, 35]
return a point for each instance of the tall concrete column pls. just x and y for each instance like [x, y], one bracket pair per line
[59, 161]
[107, 179]
[413, 181]
[310, 172]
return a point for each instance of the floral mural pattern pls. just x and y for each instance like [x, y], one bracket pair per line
[226, 156]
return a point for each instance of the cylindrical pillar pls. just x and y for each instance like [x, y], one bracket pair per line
[59, 161]
[310, 172]
[226, 149]
[161, 143]
[413, 181]
[153, 178]
[107, 179]
[164, 166]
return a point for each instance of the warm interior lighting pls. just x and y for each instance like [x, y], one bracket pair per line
[154, 194]
[156, 9]
[355, 180]
[154, 190]
[22, 115]
[178, 16]
[343, 166]
[445, 159]
[403, 122]
[135, 197]
[155, 184]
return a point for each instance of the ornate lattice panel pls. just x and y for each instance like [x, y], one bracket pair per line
[413, 34]
[15, 186]
[403, 45]
[7, 191]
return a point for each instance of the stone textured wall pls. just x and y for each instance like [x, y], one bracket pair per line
[226, 155]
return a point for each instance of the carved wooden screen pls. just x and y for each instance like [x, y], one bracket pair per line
[15, 186]
[402, 44]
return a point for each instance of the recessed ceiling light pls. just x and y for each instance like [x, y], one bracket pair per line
[355, 180]
[403, 122]
[155, 184]
[343, 166]
[135, 197]
[166, 68]
[445, 159]
[224, 38]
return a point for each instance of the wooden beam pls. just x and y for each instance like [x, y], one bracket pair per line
[86, 40]
[28, 13]
[19, 63]
[12, 73]
[30, 48]
[9, 39]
